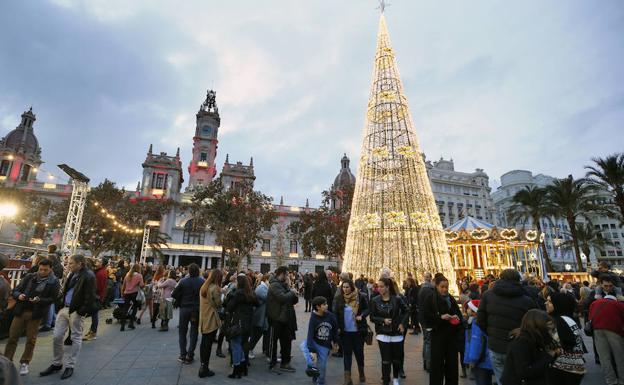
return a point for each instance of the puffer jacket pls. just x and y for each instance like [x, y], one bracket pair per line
[280, 301]
[501, 310]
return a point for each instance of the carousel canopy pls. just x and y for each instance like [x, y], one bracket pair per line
[469, 224]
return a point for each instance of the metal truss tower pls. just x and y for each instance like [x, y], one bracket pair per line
[76, 209]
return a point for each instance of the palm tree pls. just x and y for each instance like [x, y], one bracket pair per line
[530, 204]
[589, 238]
[570, 198]
[609, 173]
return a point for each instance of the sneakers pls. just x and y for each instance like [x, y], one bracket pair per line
[287, 368]
[312, 371]
[90, 336]
[23, 369]
[252, 355]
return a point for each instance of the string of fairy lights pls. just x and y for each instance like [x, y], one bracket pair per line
[116, 223]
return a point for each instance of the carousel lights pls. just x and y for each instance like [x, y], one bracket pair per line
[509, 234]
[480, 234]
[531, 235]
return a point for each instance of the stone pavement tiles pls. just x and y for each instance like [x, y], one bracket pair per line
[147, 357]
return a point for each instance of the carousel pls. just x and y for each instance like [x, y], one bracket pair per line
[478, 248]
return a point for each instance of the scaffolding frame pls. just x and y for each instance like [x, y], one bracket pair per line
[76, 208]
[74, 217]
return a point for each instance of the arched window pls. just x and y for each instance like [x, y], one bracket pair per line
[191, 235]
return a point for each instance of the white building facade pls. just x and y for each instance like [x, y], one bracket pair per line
[556, 230]
[459, 194]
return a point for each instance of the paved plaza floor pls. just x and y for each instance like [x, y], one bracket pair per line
[147, 357]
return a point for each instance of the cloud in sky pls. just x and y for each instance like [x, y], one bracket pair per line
[529, 85]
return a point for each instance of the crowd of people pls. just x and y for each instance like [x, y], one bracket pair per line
[510, 329]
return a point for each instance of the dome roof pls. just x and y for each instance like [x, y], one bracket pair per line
[16, 139]
[344, 177]
[23, 138]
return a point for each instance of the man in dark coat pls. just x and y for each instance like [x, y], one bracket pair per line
[282, 319]
[500, 311]
[33, 295]
[78, 301]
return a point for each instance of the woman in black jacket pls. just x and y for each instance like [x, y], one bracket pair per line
[322, 288]
[411, 294]
[240, 306]
[442, 315]
[390, 316]
[569, 367]
[351, 308]
[528, 356]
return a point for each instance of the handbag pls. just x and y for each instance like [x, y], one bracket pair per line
[140, 296]
[589, 328]
[368, 338]
[234, 330]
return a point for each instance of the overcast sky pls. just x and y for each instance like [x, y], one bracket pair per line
[497, 85]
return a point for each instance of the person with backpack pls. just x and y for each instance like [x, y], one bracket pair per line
[240, 305]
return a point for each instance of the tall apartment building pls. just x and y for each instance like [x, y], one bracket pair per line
[459, 194]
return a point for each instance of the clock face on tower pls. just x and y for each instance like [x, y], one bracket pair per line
[206, 131]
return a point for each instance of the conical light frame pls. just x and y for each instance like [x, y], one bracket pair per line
[394, 217]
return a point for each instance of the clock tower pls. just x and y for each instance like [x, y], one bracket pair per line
[202, 167]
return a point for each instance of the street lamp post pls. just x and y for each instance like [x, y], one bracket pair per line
[7, 210]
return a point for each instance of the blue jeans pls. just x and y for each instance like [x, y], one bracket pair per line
[49, 320]
[94, 321]
[322, 353]
[116, 292]
[188, 315]
[238, 354]
[498, 364]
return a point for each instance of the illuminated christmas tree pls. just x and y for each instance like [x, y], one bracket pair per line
[394, 218]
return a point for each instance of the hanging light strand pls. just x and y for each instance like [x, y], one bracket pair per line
[117, 225]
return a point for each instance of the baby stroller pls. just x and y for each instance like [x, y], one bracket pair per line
[120, 312]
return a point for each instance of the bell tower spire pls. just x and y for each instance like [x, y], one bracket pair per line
[202, 167]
